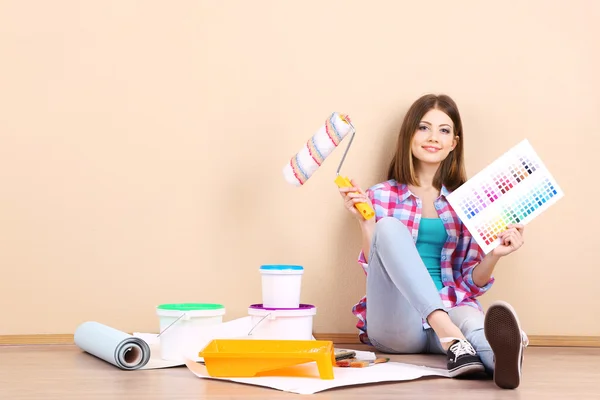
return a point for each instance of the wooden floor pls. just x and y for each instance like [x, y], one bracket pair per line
[64, 372]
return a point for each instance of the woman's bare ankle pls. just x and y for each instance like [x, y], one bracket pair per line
[445, 329]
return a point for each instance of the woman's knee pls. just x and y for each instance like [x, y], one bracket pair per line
[390, 230]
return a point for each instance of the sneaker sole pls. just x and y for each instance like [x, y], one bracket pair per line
[467, 369]
[503, 332]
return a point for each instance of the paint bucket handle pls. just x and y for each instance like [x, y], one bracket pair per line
[185, 318]
[270, 315]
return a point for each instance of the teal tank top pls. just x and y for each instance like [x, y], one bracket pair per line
[431, 239]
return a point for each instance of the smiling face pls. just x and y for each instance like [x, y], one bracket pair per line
[431, 136]
[434, 138]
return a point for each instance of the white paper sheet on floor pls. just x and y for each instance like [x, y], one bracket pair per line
[310, 383]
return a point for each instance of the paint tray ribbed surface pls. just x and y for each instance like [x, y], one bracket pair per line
[252, 357]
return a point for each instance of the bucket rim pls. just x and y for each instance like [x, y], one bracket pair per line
[303, 307]
[190, 307]
[305, 310]
[281, 267]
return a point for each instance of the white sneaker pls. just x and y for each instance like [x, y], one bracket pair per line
[503, 332]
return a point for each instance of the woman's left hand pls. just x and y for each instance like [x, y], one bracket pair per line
[510, 240]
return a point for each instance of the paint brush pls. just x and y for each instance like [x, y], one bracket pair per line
[354, 363]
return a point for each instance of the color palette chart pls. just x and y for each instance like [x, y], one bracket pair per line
[516, 188]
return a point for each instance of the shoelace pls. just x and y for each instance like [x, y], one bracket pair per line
[462, 347]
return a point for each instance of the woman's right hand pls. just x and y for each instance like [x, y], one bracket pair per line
[354, 195]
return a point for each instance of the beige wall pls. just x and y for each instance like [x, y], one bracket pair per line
[127, 128]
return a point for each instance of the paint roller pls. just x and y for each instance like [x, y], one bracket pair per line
[314, 152]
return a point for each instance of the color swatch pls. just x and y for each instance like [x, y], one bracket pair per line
[514, 189]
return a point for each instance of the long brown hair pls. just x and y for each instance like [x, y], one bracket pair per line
[451, 172]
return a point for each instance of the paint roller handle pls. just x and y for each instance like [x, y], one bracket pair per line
[364, 209]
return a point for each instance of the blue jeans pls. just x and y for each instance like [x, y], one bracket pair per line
[401, 294]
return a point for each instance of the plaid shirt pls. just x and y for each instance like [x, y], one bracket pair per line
[460, 253]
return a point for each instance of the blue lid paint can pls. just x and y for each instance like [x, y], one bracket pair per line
[281, 285]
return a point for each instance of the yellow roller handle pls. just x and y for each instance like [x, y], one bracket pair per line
[365, 210]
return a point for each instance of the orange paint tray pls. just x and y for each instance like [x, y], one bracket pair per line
[252, 357]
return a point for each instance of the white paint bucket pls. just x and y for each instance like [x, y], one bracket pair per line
[282, 323]
[181, 326]
[281, 285]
